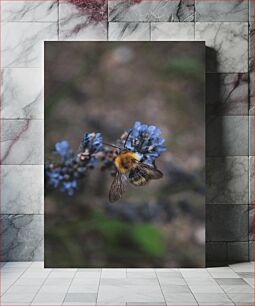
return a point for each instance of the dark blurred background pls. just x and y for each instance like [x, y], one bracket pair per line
[105, 87]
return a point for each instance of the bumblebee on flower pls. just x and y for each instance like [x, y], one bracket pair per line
[131, 160]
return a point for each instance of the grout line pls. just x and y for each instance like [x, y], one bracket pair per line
[69, 286]
[160, 286]
[189, 287]
[16, 279]
[101, 270]
[40, 287]
[222, 288]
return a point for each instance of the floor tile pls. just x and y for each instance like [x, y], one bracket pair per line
[230, 281]
[213, 299]
[49, 299]
[243, 267]
[242, 299]
[180, 299]
[205, 289]
[237, 288]
[222, 272]
[88, 274]
[174, 289]
[81, 297]
[195, 273]
[138, 274]
[113, 273]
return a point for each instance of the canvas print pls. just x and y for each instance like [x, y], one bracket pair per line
[124, 154]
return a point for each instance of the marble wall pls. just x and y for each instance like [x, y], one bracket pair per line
[227, 27]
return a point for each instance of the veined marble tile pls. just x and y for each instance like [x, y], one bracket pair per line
[23, 10]
[251, 258]
[22, 142]
[228, 43]
[129, 31]
[227, 180]
[251, 135]
[74, 24]
[227, 94]
[181, 31]
[251, 10]
[251, 221]
[216, 252]
[227, 135]
[251, 94]
[214, 10]
[237, 252]
[22, 43]
[227, 223]
[151, 10]
[22, 189]
[22, 237]
[22, 93]
[251, 68]
[251, 181]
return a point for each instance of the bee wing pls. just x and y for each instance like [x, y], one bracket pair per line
[149, 172]
[118, 187]
[143, 173]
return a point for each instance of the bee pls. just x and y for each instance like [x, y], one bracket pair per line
[130, 169]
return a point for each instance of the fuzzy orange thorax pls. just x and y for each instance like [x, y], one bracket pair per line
[126, 161]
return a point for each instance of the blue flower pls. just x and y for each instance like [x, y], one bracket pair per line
[93, 142]
[63, 149]
[54, 177]
[146, 141]
[69, 187]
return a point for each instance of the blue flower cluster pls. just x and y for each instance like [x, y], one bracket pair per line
[92, 143]
[73, 167]
[146, 141]
[65, 175]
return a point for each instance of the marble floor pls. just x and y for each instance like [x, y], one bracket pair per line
[28, 283]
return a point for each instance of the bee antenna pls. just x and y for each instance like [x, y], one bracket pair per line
[107, 144]
[127, 138]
